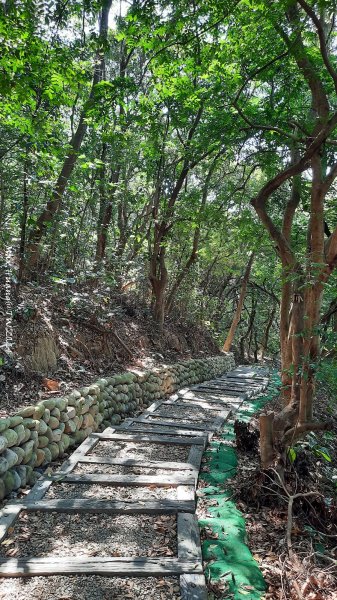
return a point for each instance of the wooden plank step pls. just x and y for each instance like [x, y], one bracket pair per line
[166, 430]
[156, 439]
[193, 587]
[172, 480]
[195, 456]
[162, 414]
[188, 537]
[216, 408]
[130, 462]
[220, 392]
[107, 565]
[188, 426]
[82, 505]
[242, 381]
[231, 386]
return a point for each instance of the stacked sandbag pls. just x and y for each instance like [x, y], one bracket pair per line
[41, 433]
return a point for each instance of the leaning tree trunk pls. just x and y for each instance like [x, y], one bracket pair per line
[230, 336]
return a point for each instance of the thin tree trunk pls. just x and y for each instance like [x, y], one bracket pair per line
[265, 339]
[25, 204]
[54, 203]
[230, 336]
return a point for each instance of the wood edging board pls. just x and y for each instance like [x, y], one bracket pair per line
[158, 439]
[193, 587]
[153, 428]
[83, 505]
[163, 423]
[171, 480]
[107, 565]
[130, 462]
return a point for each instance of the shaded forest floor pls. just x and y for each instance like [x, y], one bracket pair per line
[310, 570]
[66, 337]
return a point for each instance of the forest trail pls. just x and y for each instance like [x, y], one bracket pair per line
[144, 475]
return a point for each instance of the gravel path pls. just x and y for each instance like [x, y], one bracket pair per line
[105, 492]
[90, 588]
[83, 468]
[59, 534]
[179, 411]
[111, 449]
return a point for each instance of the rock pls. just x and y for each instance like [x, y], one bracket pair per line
[85, 391]
[11, 436]
[28, 411]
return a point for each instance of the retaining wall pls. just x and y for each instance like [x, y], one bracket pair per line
[39, 434]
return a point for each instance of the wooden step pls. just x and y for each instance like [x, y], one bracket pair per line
[82, 505]
[163, 423]
[107, 565]
[172, 480]
[168, 430]
[130, 462]
[156, 439]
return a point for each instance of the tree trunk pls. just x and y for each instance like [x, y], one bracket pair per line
[25, 204]
[265, 339]
[230, 336]
[53, 205]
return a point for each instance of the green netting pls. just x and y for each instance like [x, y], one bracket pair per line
[229, 557]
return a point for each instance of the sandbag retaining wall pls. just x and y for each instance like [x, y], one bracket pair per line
[39, 434]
